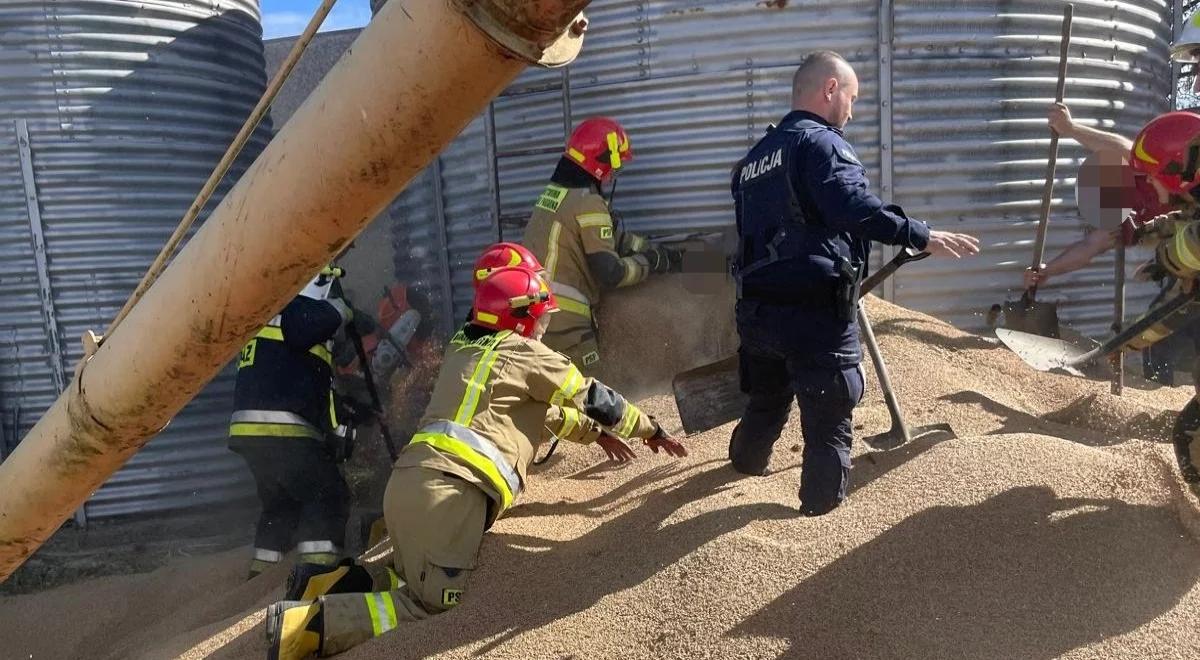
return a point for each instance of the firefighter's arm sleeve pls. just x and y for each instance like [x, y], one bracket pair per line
[610, 269]
[306, 322]
[836, 183]
[570, 424]
[554, 379]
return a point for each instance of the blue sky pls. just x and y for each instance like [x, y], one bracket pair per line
[284, 18]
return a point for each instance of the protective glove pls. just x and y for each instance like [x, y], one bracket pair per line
[661, 440]
[617, 450]
[664, 259]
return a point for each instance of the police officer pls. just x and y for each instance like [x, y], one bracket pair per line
[286, 426]
[805, 221]
[572, 232]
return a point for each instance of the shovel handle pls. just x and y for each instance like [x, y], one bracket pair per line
[1139, 326]
[1039, 247]
[885, 383]
[875, 279]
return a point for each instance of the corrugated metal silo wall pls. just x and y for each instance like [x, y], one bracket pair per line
[961, 103]
[696, 82]
[128, 107]
[972, 83]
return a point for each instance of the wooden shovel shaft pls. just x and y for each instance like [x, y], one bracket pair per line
[1118, 359]
[1039, 246]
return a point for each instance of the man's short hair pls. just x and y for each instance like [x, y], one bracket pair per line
[815, 69]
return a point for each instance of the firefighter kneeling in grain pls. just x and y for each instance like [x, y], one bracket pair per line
[499, 394]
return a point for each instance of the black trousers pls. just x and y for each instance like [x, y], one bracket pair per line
[773, 370]
[305, 501]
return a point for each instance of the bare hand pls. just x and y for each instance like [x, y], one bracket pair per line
[950, 244]
[1035, 278]
[617, 450]
[1060, 120]
[666, 443]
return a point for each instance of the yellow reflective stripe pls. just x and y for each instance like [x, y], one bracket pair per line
[570, 386]
[570, 421]
[634, 271]
[628, 420]
[373, 610]
[594, 219]
[552, 250]
[393, 578]
[1139, 150]
[275, 333]
[576, 154]
[390, 606]
[1155, 333]
[473, 458]
[273, 430]
[1183, 249]
[637, 243]
[483, 369]
[574, 307]
[332, 412]
[614, 151]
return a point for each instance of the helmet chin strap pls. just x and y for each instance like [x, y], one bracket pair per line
[612, 190]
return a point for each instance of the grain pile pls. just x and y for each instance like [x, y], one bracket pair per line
[1051, 528]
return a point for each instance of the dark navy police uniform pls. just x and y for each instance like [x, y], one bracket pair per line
[805, 221]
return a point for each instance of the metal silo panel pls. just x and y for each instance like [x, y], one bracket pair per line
[468, 201]
[971, 86]
[129, 106]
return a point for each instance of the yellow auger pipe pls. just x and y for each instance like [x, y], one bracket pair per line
[407, 86]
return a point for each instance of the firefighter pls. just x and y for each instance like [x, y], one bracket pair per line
[497, 388]
[573, 233]
[1155, 146]
[285, 425]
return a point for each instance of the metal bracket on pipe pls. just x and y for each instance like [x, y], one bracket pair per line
[498, 20]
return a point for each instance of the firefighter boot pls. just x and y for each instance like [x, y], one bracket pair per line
[308, 582]
[294, 630]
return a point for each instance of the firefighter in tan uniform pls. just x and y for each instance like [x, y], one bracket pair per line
[585, 253]
[500, 392]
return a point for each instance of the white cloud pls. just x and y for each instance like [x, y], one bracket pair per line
[345, 14]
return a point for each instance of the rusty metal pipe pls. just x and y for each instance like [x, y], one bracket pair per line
[408, 85]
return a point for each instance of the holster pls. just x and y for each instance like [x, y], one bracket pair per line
[846, 295]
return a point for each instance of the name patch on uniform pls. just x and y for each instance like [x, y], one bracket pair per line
[848, 155]
[606, 232]
[246, 359]
[763, 165]
[551, 198]
[451, 597]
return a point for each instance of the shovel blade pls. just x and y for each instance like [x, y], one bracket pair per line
[709, 396]
[1043, 353]
[894, 439]
[1032, 316]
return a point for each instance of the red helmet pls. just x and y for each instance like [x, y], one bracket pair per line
[512, 299]
[505, 255]
[1160, 150]
[600, 146]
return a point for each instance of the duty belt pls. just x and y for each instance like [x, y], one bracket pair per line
[815, 297]
[481, 454]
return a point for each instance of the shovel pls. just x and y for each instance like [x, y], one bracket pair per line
[1046, 354]
[1027, 314]
[711, 395]
[900, 434]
